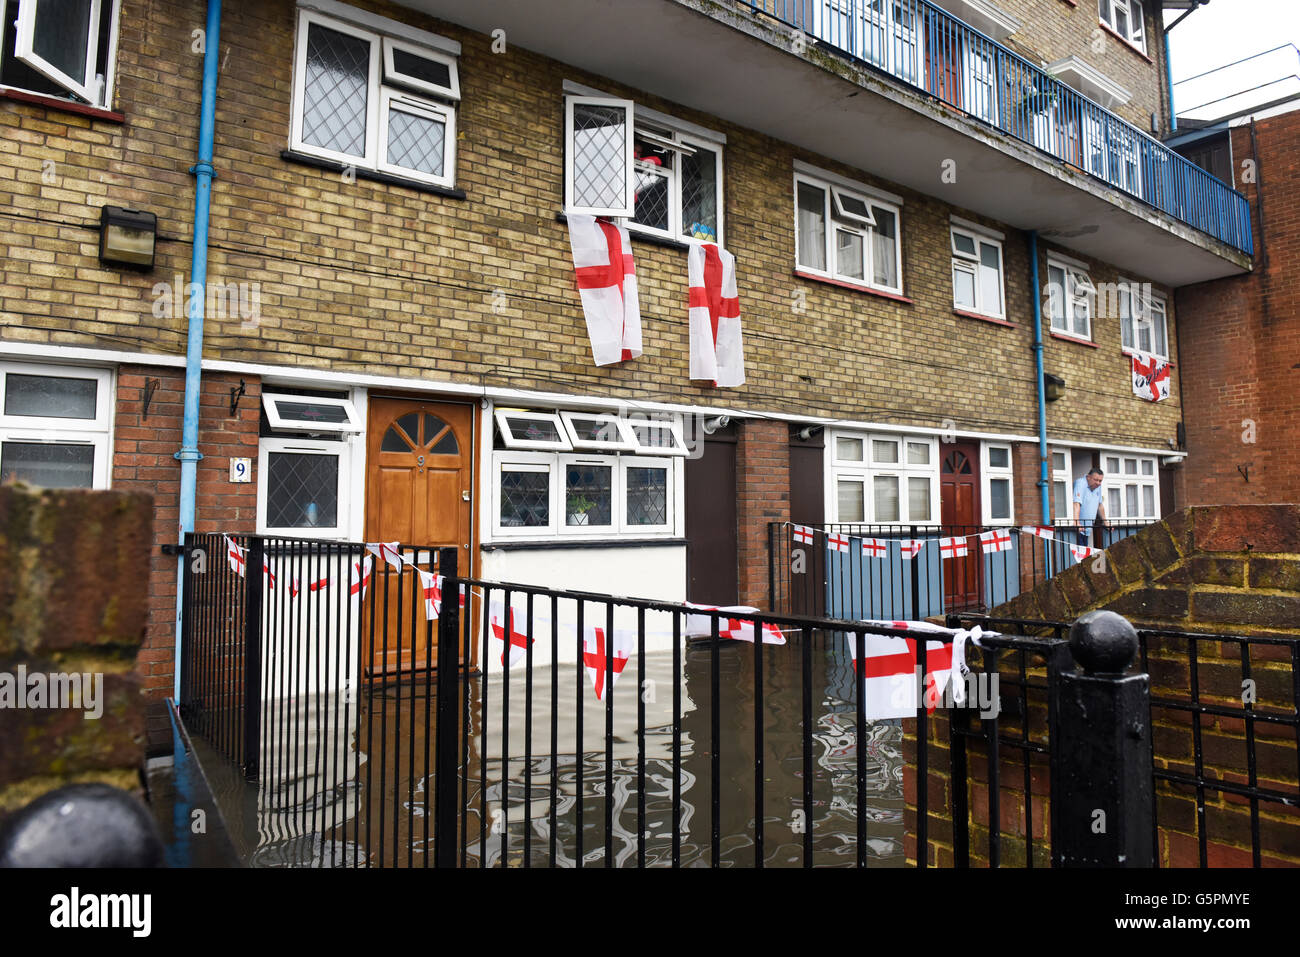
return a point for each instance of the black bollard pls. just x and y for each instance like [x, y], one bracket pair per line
[82, 825]
[1103, 785]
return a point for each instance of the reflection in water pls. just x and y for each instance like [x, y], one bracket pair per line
[369, 801]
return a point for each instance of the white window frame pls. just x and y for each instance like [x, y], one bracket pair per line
[971, 265]
[626, 440]
[830, 225]
[381, 98]
[989, 472]
[280, 424]
[1065, 476]
[1135, 36]
[626, 462]
[867, 470]
[526, 462]
[96, 90]
[673, 423]
[1149, 312]
[53, 430]
[513, 442]
[627, 209]
[341, 448]
[1119, 480]
[561, 493]
[1080, 291]
[683, 143]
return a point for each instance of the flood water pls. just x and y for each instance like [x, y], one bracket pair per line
[351, 783]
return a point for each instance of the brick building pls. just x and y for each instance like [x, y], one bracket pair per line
[392, 334]
[1241, 335]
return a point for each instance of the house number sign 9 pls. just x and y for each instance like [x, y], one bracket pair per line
[241, 470]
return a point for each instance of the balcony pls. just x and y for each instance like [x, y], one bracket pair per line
[905, 91]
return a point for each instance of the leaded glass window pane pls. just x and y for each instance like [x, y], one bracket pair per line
[336, 91]
[525, 499]
[48, 465]
[302, 490]
[50, 396]
[700, 195]
[647, 496]
[589, 495]
[599, 162]
[416, 141]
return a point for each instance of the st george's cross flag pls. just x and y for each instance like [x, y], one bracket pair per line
[953, 547]
[606, 275]
[911, 547]
[874, 548]
[1150, 377]
[361, 576]
[713, 307]
[508, 628]
[737, 629]
[1080, 552]
[389, 552]
[238, 557]
[803, 534]
[1042, 531]
[995, 540]
[598, 656]
[888, 670]
[838, 543]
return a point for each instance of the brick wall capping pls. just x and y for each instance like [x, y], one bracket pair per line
[638, 237]
[1075, 339]
[303, 159]
[966, 314]
[813, 277]
[65, 106]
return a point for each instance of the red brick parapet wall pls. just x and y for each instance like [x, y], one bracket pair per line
[762, 496]
[1231, 571]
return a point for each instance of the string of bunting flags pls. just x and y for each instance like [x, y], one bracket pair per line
[991, 541]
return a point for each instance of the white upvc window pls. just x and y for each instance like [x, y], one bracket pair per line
[286, 412]
[1132, 488]
[374, 102]
[1125, 17]
[54, 426]
[303, 486]
[998, 496]
[1143, 322]
[1062, 487]
[847, 233]
[977, 273]
[883, 479]
[607, 483]
[1069, 299]
[521, 429]
[664, 178]
[65, 48]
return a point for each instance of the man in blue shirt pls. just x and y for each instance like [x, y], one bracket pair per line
[1088, 504]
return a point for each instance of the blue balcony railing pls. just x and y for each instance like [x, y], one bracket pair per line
[931, 50]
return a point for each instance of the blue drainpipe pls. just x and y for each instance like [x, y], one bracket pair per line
[189, 454]
[1169, 82]
[1036, 296]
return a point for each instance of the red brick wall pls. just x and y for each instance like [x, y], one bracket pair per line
[762, 496]
[1240, 344]
[143, 451]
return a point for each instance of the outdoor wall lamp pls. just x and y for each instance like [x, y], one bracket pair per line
[127, 237]
[1053, 387]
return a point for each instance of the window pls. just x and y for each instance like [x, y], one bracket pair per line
[1125, 17]
[63, 48]
[847, 234]
[628, 484]
[1132, 488]
[624, 160]
[305, 464]
[977, 273]
[1069, 300]
[1062, 487]
[374, 101]
[883, 32]
[1142, 321]
[998, 474]
[881, 479]
[54, 426]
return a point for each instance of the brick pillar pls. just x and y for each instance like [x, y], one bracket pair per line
[143, 460]
[762, 496]
[1029, 509]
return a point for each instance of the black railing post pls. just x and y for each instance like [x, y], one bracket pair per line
[1101, 768]
[445, 783]
[187, 618]
[254, 582]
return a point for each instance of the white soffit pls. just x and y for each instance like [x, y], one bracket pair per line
[983, 16]
[1089, 81]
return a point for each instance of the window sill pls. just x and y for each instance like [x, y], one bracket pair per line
[1075, 339]
[1128, 44]
[814, 277]
[334, 166]
[983, 318]
[65, 106]
[639, 237]
[579, 543]
[1131, 353]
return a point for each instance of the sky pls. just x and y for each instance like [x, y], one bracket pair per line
[1227, 30]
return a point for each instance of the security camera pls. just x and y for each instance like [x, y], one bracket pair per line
[717, 422]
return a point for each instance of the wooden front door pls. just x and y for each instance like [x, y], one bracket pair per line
[959, 498]
[419, 491]
[711, 550]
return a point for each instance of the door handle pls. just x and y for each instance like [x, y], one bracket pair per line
[464, 495]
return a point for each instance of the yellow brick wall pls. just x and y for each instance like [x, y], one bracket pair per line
[369, 277]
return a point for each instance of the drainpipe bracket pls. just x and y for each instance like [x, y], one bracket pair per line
[203, 169]
[188, 455]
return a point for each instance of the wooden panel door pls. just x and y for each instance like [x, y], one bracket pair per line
[711, 553]
[419, 491]
[959, 498]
